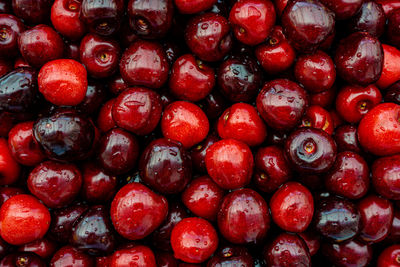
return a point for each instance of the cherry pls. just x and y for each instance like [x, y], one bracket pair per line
[319, 118]
[69, 256]
[208, 36]
[350, 253]
[312, 241]
[214, 104]
[392, 28]
[23, 219]
[243, 217]
[164, 259]
[10, 29]
[136, 211]
[193, 6]
[198, 153]
[390, 71]
[105, 120]
[22, 259]
[5, 6]
[9, 167]
[44, 248]
[184, 122]
[32, 12]
[282, 103]
[369, 18]
[292, 207]
[343, 9]
[191, 79]
[95, 96]
[65, 18]
[8, 192]
[139, 255]
[385, 176]
[229, 255]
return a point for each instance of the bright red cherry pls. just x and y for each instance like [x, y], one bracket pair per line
[65, 18]
[317, 117]
[70, 256]
[136, 256]
[386, 176]
[9, 167]
[23, 219]
[391, 70]
[193, 6]
[390, 257]
[194, 240]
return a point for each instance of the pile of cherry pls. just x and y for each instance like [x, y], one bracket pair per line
[199, 133]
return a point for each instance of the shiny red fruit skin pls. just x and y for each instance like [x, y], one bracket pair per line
[349, 253]
[63, 82]
[379, 130]
[12, 27]
[229, 163]
[242, 122]
[244, 217]
[193, 6]
[65, 18]
[353, 102]
[292, 207]
[8, 192]
[137, 256]
[9, 167]
[343, 9]
[252, 20]
[390, 257]
[137, 110]
[389, 6]
[317, 117]
[105, 119]
[198, 153]
[70, 256]
[136, 211]
[312, 240]
[190, 79]
[203, 197]
[194, 240]
[184, 122]
[97, 186]
[45, 247]
[23, 219]
[391, 68]
[394, 234]
[386, 176]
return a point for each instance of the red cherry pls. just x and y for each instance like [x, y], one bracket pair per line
[349, 253]
[9, 168]
[70, 256]
[45, 248]
[198, 153]
[312, 240]
[390, 257]
[394, 233]
[193, 6]
[343, 9]
[105, 120]
[140, 256]
[317, 117]
[23, 219]
[391, 70]
[346, 138]
[8, 192]
[388, 6]
[11, 29]
[386, 176]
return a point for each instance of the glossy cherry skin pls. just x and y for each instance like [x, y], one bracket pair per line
[287, 250]
[198, 153]
[22, 259]
[392, 28]
[337, 219]
[359, 59]
[394, 232]
[282, 103]
[9, 167]
[105, 120]
[63, 82]
[229, 163]
[117, 85]
[203, 197]
[23, 146]
[150, 19]
[350, 253]
[292, 207]
[23, 219]
[55, 184]
[242, 122]
[70, 256]
[140, 256]
[252, 20]
[385, 176]
[191, 79]
[165, 166]
[319, 118]
[230, 255]
[276, 54]
[118, 151]
[136, 211]
[316, 72]
[144, 63]
[184, 122]
[10, 29]
[310, 150]
[370, 18]
[239, 78]
[34, 42]
[97, 186]
[65, 18]
[8, 192]
[391, 70]
[193, 6]
[343, 9]
[137, 110]
[44, 248]
[194, 240]
[390, 257]
[99, 55]
[96, 94]
[65, 135]
[243, 217]
[312, 240]
[307, 24]
[380, 126]
[31, 11]
[208, 36]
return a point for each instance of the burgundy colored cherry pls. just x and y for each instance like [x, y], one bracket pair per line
[150, 19]
[350, 253]
[312, 240]
[244, 217]
[242, 122]
[394, 233]
[208, 36]
[70, 256]
[165, 166]
[9, 167]
[137, 110]
[391, 70]
[343, 9]
[252, 20]
[65, 18]
[105, 120]
[44, 248]
[319, 118]
[8, 192]
[194, 240]
[393, 28]
[118, 151]
[139, 255]
[198, 153]
[23, 219]
[99, 55]
[96, 94]
[230, 163]
[144, 64]
[184, 122]
[230, 255]
[5, 67]
[97, 186]
[55, 184]
[316, 72]
[10, 29]
[193, 6]
[349, 176]
[390, 257]
[385, 176]
[310, 150]
[370, 18]
[239, 78]
[40, 45]
[190, 79]
[324, 99]
[136, 211]
[359, 59]
[292, 207]
[287, 250]
[117, 85]
[32, 11]
[307, 24]
[22, 259]
[282, 103]
[337, 219]
[203, 197]
[214, 104]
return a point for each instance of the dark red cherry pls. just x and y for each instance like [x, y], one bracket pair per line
[214, 104]
[319, 118]
[229, 255]
[394, 233]
[164, 259]
[136, 255]
[5, 6]
[393, 93]
[10, 170]
[312, 240]
[343, 9]
[10, 29]
[117, 85]
[193, 6]
[198, 153]
[95, 95]
[44, 248]
[165, 166]
[346, 138]
[70, 256]
[386, 176]
[65, 18]
[350, 253]
[97, 186]
[370, 18]
[18, 259]
[8, 192]
[71, 50]
[32, 11]
[393, 28]
[5, 67]
[324, 99]
[389, 6]
[172, 51]
[105, 120]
